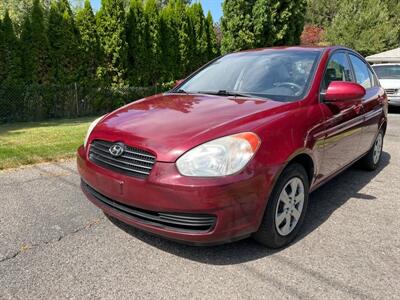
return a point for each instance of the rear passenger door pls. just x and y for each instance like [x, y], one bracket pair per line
[372, 101]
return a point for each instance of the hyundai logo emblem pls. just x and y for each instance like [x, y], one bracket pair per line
[117, 149]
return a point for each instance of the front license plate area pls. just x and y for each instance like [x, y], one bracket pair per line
[110, 186]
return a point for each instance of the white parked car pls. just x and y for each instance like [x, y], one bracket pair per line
[389, 77]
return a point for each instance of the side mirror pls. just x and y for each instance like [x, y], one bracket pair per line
[339, 91]
[178, 82]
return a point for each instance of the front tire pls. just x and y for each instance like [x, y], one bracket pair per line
[371, 160]
[286, 208]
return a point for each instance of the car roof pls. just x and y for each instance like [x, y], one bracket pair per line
[321, 49]
[284, 48]
[303, 48]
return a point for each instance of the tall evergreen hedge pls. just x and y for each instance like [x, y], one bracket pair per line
[136, 43]
[125, 44]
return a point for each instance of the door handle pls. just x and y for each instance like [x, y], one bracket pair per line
[358, 108]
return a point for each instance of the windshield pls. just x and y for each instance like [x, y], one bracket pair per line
[274, 74]
[387, 72]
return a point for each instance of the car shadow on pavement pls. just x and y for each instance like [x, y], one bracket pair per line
[323, 202]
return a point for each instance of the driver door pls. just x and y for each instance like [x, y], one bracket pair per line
[343, 123]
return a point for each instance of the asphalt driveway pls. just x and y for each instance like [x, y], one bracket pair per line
[55, 244]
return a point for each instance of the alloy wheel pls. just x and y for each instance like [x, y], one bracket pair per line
[289, 206]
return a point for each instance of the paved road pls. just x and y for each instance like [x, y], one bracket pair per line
[55, 244]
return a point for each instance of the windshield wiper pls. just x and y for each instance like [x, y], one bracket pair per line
[180, 91]
[225, 93]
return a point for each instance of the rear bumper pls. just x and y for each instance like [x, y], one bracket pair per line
[394, 100]
[235, 203]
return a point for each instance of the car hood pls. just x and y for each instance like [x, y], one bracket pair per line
[390, 83]
[168, 125]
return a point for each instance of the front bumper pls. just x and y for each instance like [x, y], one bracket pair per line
[235, 202]
[394, 100]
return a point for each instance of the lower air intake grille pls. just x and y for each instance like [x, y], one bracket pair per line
[132, 161]
[177, 221]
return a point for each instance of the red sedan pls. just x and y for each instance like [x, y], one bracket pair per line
[235, 149]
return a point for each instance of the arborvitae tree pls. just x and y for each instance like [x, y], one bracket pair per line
[185, 40]
[237, 27]
[11, 51]
[26, 42]
[297, 21]
[393, 7]
[159, 41]
[152, 41]
[321, 12]
[212, 46]
[111, 29]
[64, 42]
[278, 22]
[290, 23]
[136, 35]
[264, 22]
[2, 56]
[200, 35]
[169, 34]
[38, 49]
[363, 25]
[89, 47]
[166, 2]
[192, 46]
[17, 9]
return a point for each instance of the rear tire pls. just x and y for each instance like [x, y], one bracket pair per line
[371, 160]
[286, 208]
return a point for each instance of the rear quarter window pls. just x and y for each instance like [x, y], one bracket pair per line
[361, 71]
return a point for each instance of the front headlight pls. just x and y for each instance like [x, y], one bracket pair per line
[90, 129]
[220, 157]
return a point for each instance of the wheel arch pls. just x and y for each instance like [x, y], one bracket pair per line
[307, 162]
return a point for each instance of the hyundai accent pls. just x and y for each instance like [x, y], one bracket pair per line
[234, 149]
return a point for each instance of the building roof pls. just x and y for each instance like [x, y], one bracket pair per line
[387, 56]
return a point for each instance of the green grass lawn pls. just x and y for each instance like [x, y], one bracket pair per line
[28, 143]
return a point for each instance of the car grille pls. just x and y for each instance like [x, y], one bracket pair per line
[176, 221]
[391, 91]
[133, 161]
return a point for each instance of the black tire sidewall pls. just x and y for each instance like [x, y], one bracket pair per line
[372, 150]
[268, 234]
[368, 161]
